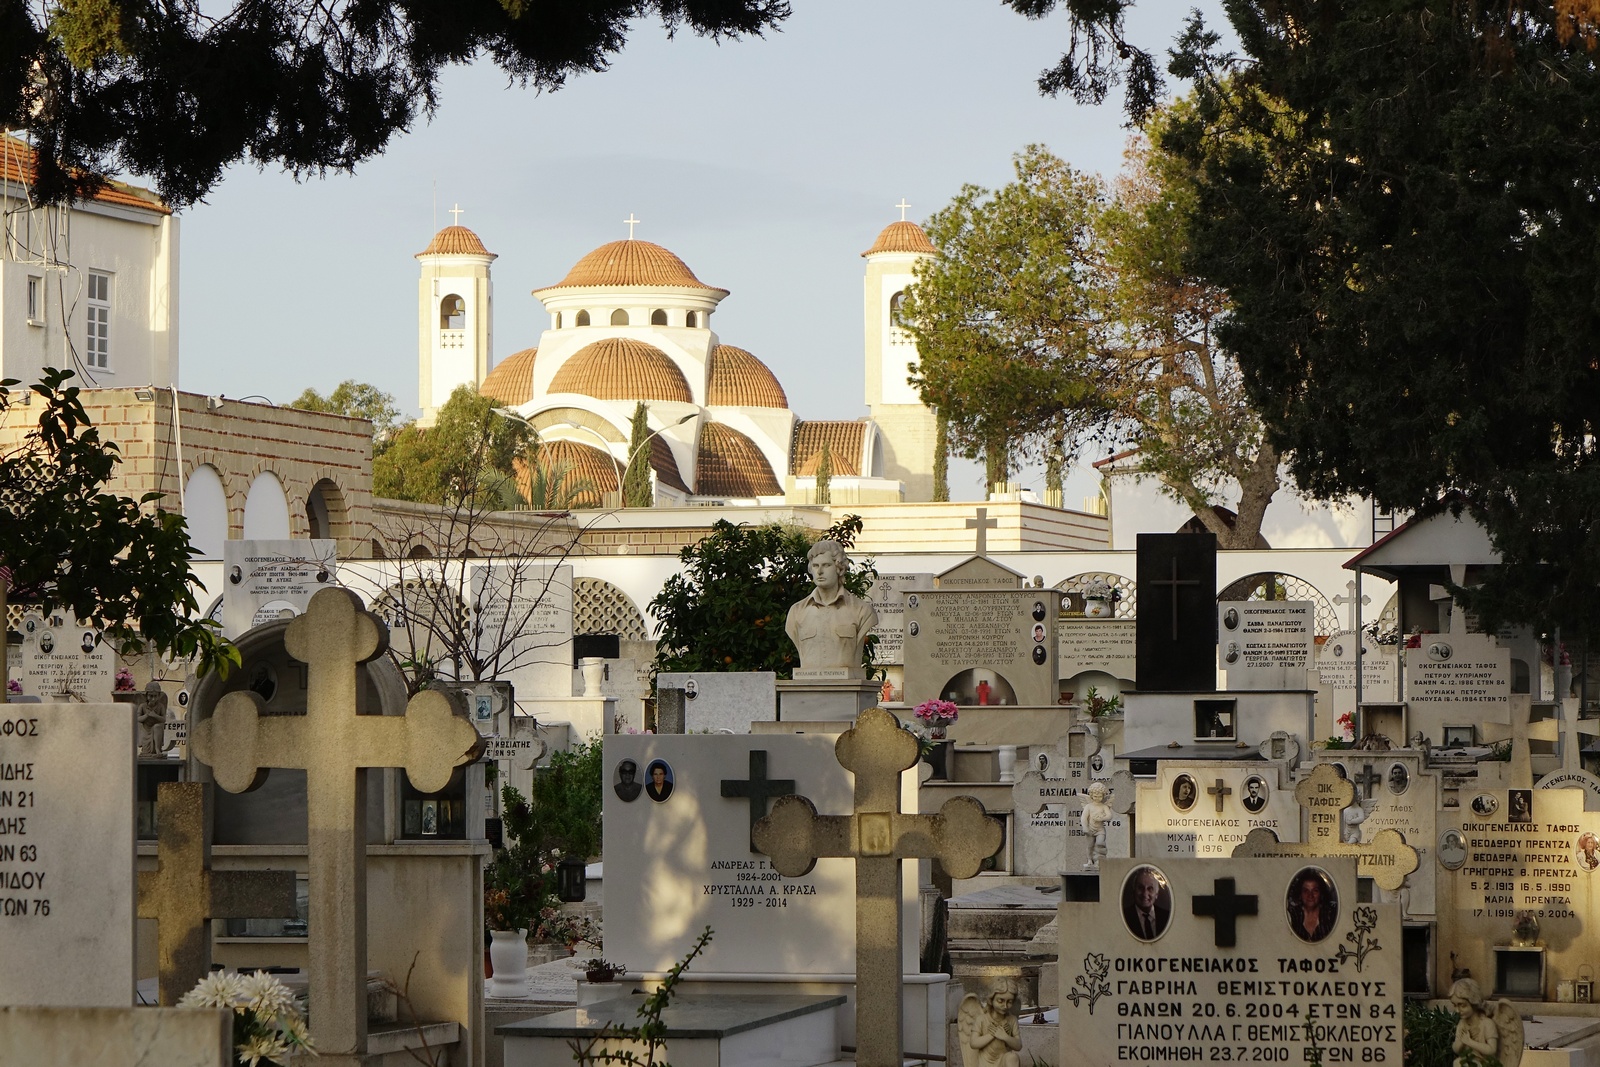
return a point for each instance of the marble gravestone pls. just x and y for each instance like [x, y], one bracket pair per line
[1177, 621]
[723, 701]
[1457, 679]
[61, 661]
[1261, 961]
[975, 646]
[267, 580]
[1103, 646]
[1380, 671]
[525, 610]
[1047, 811]
[67, 855]
[1265, 644]
[1397, 793]
[1203, 808]
[888, 600]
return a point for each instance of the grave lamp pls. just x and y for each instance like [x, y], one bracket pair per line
[571, 880]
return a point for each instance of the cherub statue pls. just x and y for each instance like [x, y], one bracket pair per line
[1491, 1031]
[1095, 814]
[989, 1035]
[1350, 820]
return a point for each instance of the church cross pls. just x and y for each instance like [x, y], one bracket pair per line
[183, 894]
[903, 206]
[1221, 791]
[1225, 906]
[632, 222]
[759, 789]
[455, 215]
[335, 746]
[1172, 584]
[878, 836]
[1367, 778]
[1349, 597]
[983, 524]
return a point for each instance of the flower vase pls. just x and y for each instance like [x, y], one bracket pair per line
[508, 953]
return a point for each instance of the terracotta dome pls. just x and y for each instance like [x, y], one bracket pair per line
[456, 241]
[581, 465]
[731, 465]
[902, 237]
[618, 368]
[632, 263]
[737, 378]
[511, 381]
[844, 440]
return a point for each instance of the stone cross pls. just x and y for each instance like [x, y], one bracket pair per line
[1386, 859]
[878, 836]
[335, 746]
[903, 206]
[1367, 779]
[1222, 792]
[1225, 906]
[1173, 583]
[759, 789]
[183, 894]
[1349, 597]
[632, 222]
[455, 214]
[983, 524]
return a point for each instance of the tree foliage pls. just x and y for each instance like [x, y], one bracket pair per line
[470, 454]
[636, 479]
[560, 816]
[179, 90]
[1099, 55]
[66, 544]
[1402, 200]
[725, 608]
[358, 400]
[1060, 309]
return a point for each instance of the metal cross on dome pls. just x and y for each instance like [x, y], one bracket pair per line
[632, 222]
[904, 207]
[455, 214]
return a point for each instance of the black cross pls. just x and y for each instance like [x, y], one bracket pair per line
[1369, 778]
[1173, 584]
[1225, 906]
[759, 788]
[1220, 791]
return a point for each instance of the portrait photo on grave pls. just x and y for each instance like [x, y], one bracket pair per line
[913, 601]
[1231, 655]
[1184, 792]
[659, 786]
[1255, 794]
[1146, 902]
[1312, 905]
[912, 628]
[1040, 655]
[1230, 619]
[88, 641]
[1038, 632]
[1519, 805]
[1452, 849]
[1097, 763]
[47, 642]
[1440, 651]
[625, 781]
[1399, 778]
[1038, 611]
[1588, 851]
[1485, 804]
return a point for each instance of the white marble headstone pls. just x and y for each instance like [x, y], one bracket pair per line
[525, 611]
[267, 580]
[1265, 644]
[59, 660]
[724, 701]
[1204, 808]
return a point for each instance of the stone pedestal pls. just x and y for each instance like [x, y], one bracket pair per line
[834, 699]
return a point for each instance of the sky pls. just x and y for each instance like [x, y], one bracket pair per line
[768, 165]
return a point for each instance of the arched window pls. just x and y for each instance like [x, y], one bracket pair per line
[619, 318]
[692, 320]
[452, 313]
[558, 320]
[583, 318]
[896, 303]
[205, 507]
[266, 510]
[658, 317]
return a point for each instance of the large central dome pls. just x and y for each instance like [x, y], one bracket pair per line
[632, 263]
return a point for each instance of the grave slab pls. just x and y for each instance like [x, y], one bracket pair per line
[717, 701]
[68, 1037]
[268, 580]
[1265, 644]
[62, 661]
[1203, 808]
[1177, 621]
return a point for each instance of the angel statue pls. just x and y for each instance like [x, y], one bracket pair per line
[1096, 812]
[989, 1035]
[1494, 1032]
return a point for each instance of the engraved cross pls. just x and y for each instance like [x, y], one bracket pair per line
[759, 789]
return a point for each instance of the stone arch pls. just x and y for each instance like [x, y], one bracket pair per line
[327, 515]
[266, 509]
[582, 319]
[452, 313]
[1125, 607]
[1273, 585]
[205, 509]
[598, 607]
[619, 317]
[658, 317]
[692, 320]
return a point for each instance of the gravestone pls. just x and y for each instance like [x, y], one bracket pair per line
[1047, 811]
[1228, 976]
[525, 610]
[1177, 622]
[1265, 644]
[1105, 646]
[67, 855]
[723, 701]
[61, 661]
[996, 646]
[267, 580]
[1380, 670]
[335, 747]
[1456, 679]
[878, 836]
[888, 600]
[1403, 796]
[183, 894]
[1203, 808]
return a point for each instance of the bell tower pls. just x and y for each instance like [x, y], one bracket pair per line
[455, 316]
[907, 427]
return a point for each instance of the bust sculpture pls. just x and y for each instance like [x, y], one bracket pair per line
[829, 625]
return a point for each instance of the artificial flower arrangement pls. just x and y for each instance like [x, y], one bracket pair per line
[268, 1026]
[937, 714]
[124, 680]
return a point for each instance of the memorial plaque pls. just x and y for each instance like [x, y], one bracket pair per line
[1380, 672]
[1047, 812]
[67, 855]
[992, 647]
[723, 701]
[1527, 855]
[1265, 644]
[1267, 961]
[60, 661]
[1203, 808]
[525, 611]
[888, 599]
[1465, 671]
[268, 580]
[1106, 645]
[1177, 622]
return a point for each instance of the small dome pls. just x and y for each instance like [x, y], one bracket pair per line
[511, 381]
[902, 237]
[844, 441]
[731, 465]
[738, 379]
[456, 241]
[578, 465]
[618, 368]
[632, 263]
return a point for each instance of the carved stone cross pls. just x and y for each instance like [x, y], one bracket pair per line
[1222, 791]
[1367, 779]
[1349, 597]
[983, 524]
[759, 789]
[183, 894]
[878, 836]
[335, 746]
[1386, 859]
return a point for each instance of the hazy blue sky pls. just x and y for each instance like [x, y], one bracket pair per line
[767, 165]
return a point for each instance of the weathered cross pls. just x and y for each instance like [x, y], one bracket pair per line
[1367, 778]
[335, 746]
[903, 206]
[1225, 906]
[878, 836]
[183, 894]
[759, 789]
[1172, 585]
[1349, 597]
[1221, 791]
[455, 215]
[983, 524]
[632, 222]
